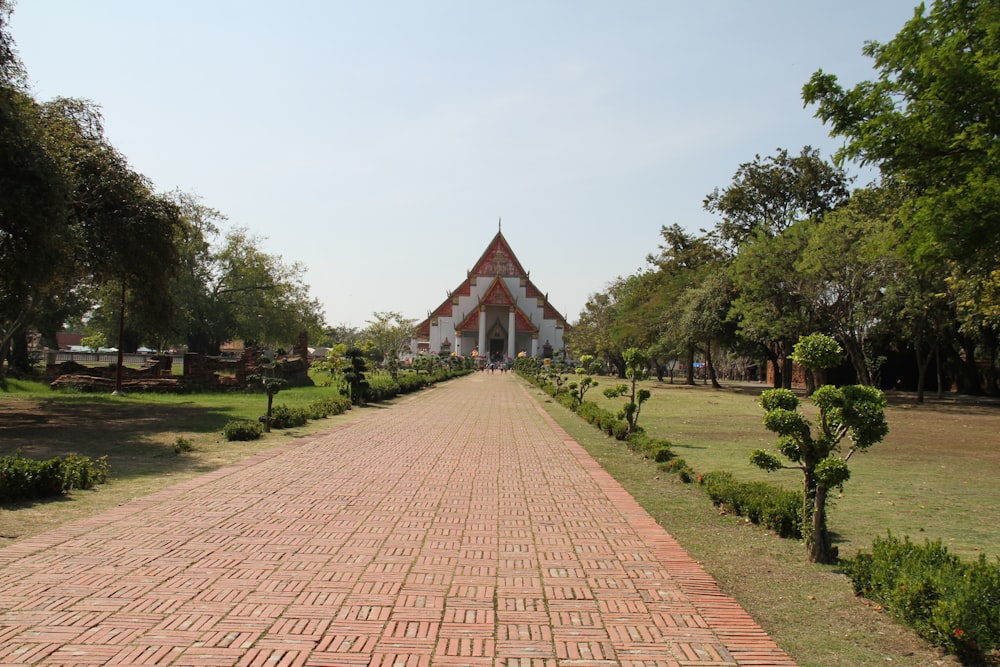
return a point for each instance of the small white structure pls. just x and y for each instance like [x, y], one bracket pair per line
[496, 313]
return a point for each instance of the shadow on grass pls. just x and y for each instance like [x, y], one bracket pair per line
[130, 435]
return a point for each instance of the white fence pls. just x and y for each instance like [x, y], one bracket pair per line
[91, 358]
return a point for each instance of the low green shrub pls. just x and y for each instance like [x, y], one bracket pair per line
[588, 411]
[326, 407]
[381, 387]
[663, 454]
[951, 603]
[565, 399]
[283, 416]
[677, 467]
[26, 479]
[182, 445]
[411, 381]
[657, 449]
[770, 506]
[242, 429]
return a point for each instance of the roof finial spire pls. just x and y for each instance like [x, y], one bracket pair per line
[499, 224]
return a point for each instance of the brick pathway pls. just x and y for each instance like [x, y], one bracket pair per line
[461, 526]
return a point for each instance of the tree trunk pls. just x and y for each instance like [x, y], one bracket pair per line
[818, 544]
[971, 373]
[690, 366]
[772, 358]
[938, 371]
[267, 417]
[787, 347]
[711, 366]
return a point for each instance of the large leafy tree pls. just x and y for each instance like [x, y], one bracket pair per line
[34, 224]
[770, 194]
[683, 262]
[389, 333]
[759, 215]
[849, 264]
[33, 201]
[931, 120]
[773, 307]
[592, 333]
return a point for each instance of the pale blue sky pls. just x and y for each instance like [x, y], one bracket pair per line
[379, 142]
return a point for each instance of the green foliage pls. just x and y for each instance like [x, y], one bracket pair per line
[283, 416]
[951, 603]
[929, 120]
[770, 506]
[27, 479]
[354, 375]
[765, 460]
[182, 445]
[857, 412]
[381, 387]
[817, 352]
[242, 429]
[326, 407]
[678, 467]
[616, 391]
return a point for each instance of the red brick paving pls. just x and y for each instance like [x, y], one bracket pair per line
[461, 527]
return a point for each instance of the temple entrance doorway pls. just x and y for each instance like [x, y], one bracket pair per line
[497, 348]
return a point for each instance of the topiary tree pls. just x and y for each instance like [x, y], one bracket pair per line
[856, 412]
[816, 353]
[636, 363]
[354, 375]
[271, 385]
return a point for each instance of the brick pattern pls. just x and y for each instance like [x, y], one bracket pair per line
[460, 527]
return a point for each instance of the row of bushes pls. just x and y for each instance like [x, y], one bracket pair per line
[283, 416]
[27, 479]
[951, 603]
[602, 419]
[764, 504]
[383, 387]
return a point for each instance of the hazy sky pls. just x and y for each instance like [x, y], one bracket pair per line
[379, 142]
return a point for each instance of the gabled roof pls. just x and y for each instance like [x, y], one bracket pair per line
[498, 294]
[499, 260]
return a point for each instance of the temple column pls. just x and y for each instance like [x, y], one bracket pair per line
[483, 352]
[458, 343]
[534, 345]
[511, 334]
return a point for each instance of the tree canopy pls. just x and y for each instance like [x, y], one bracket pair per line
[931, 119]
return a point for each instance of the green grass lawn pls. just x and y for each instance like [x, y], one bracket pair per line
[934, 475]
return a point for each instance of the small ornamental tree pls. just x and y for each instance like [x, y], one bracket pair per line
[816, 353]
[856, 412]
[271, 385]
[354, 375]
[586, 382]
[636, 362]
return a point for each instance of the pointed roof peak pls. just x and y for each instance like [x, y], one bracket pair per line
[498, 260]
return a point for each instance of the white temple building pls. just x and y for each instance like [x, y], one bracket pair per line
[496, 313]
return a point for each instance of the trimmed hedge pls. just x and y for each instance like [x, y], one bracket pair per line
[26, 479]
[283, 416]
[242, 429]
[950, 603]
[770, 506]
